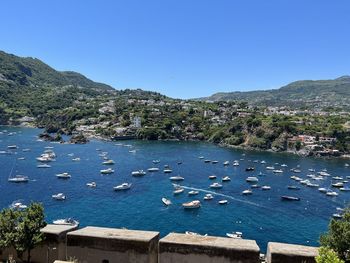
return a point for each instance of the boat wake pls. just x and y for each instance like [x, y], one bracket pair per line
[224, 195]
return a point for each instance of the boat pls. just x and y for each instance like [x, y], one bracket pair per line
[290, 198]
[193, 192]
[270, 168]
[278, 171]
[226, 179]
[21, 158]
[123, 186]
[59, 196]
[323, 173]
[255, 186]
[156, 161]
[92, 184]
[322, 190]
[249, 169]
[138, 173]
[347, 165]
[19, 179]
[223, 202]
[331, 193]
[178, 191]
[293, 187]
[44, 159]
[11, 147]
[337, 216]
[214, 162]
[247, 192]
[17, 205]
[294, 170]
[43, 166]
[235, 163]
[284, 165]
[216, 185]
[66, 222]
[211, 177]
[166, 201]
[26, 150]
[77, 159]
[201, 157]
[237, 235]
[108, 162]
[107, 171]
[208, 197]
[252, 179]
[194, 234]
[192, 204]
[226, 163]
[337, 178]
[344, 189]
[167, 171]
[338, 185]
[132, 151]
[207, 161]
[311, 170]
[153, 169]
[266, 187]
[176, 178]
[312, 185]
[63, 176]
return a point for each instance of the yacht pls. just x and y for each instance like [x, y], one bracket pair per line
[290, 198]
[312, 185]
[178, 191]
[208, 197]
[156, 161]
[138, 173]
[331, 193]
[167, 171]
[339, 184]
[226, 179]
[92, 184]
[123, 186]
[322, 190]
[337, 178]
[247, 192]
[270, 168]
[108, 162]
[255, 186]
[176, 178]
[201, 157]
[63, 176]
[12, 147]
[252, 179]
[43, 166]
[226, 163]
[153, 169]
[59, 196]
[16, 205]
[19, 179]
[77, 159]
[211, 177]
[223, 202]
[214, 162]
[337, 216]
[207, 161]
[192, 205]
[311, 170]
[293, 187]
[284, 165]
[216, 185]
[66, 222]
[107, 171]
[249, 169]
[346, 165]
[323, 173]
[235, 163]
[193, 192]
[237, 235]
[165, 201]
[278, 171]
[263, 162]
[344, 189]
[266, 187]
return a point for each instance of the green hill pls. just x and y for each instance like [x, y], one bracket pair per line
[305, 93]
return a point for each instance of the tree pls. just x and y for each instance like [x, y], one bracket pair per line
[8, 223]
[327, 255]
[338, 236]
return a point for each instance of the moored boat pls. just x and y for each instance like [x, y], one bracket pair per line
[192, 204]
[290, 198]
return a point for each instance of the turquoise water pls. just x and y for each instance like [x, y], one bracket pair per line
[261, 216]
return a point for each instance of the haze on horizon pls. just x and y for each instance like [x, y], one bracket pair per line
[183, 49]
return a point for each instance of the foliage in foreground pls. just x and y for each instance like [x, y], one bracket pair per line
[21, 229]
[327, 255]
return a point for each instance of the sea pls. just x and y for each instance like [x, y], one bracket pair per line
[262, 216]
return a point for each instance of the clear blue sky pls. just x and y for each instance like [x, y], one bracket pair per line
[183, 48]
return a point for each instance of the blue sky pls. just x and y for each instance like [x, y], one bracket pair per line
[183, 48]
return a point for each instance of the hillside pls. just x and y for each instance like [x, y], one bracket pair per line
[305, 93]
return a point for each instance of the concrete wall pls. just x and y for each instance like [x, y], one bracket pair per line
[96, 244]
[289, 253]
[182, 248]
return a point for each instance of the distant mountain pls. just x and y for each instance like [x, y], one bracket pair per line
[32, 72]
[323, 93]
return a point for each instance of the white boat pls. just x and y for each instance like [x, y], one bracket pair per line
[132, 151]
[178, 191]
[194, 234]
[208, 197]
[312, 185]
[43, 166]
[278, 171]
[347, 165]
[21, 158]
[263, 162]
[18, 205]
[270, 168]
[44, 159]
[26, 150]
[192, 204]
[247, 192]
[337, 216]
[214, 162]
[322, 190]
[252, 179]
[107, 171]
[223, 202]
[108, 162]
[138, 173]
[59, 196]
[226, 179]
[339, 184]
[77, 159]
[123, 186]
[193, 192]
[284, 165]
[63, 176]
[153, 169]
[344, 189]
[66, 222]
[11, 147]
[176, 178]
[216, 185]
[201, 157]
[226, 163]
[19, 179]
[337, 178]
[211, 177]
[156, 161]
[235, 163]
[166, 201]
[266, 187]
[237, 235]
[167, 171]
[331, 193]
[323, 173]
[92, 184]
